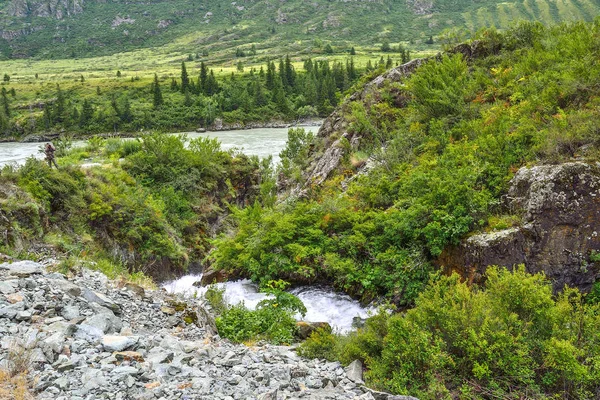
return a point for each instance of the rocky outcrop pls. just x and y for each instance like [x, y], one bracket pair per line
[560, 205]
[336, 139]
[85, 337]
[58, 9]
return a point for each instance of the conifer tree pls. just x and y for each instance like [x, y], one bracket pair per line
[203, 77]
[87, 112]
[5, 103]
[157, 98]
[185, 80]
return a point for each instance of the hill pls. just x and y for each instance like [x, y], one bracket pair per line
[61, 28]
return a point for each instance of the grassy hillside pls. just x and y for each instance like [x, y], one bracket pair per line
[275, 27]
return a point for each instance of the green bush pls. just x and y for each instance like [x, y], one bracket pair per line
[273, 320]
[510, 339]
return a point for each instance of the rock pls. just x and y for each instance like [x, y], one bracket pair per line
[305, 329]
[65, 328]
[23, 316]
[270, 395]
[559, 231]
[88, 333]
[168, 310]
[14, 298]
[211, 275]
[23, 269]
[107, 323]
[128, 356]
[354, 371]
[66, 287]
[70, 312]
[7, 287]
[137, 289]
[118, 343]
[99, 298]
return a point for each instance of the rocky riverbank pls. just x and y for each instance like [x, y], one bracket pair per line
[85, 337]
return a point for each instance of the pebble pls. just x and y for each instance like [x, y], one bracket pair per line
[90, 338]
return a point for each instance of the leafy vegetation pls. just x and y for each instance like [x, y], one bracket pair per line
[273, 320]
[444, 144]
[510, 339]
[275, 92]
[151, 212]
[50, 30]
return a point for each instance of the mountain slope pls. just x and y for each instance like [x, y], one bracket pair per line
[76, 28]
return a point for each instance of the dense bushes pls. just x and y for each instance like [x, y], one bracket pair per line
[273, 319]
[510, 339]
[152, 212]
[443, 145]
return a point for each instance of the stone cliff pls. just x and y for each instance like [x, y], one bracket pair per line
[329, 151]
[560, 209]
[58, 9]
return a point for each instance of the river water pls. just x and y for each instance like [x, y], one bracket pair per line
[262, 142]
[322, 303]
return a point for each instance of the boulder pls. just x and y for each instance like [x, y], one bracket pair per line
[23, 269]
[559, 233]
[304, 328]
[354, 371]
[118, 343]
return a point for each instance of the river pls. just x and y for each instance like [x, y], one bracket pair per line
[262, 142]
[322, 303]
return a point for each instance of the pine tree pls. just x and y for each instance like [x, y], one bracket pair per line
[5, 103]
[290, 74]
[389, 64]
[352, 51]
[212, 86]
[270, 77]
[157, 98]
[203, 77]
[185, 80]
[87, 112]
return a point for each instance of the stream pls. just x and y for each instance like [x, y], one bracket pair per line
[262, 142]
[323, 304]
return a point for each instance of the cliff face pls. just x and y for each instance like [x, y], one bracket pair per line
[560, 205]
[329, 152]
[58, 9]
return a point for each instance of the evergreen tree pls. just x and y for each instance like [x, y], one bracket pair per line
[174, 85]
[282, 75]
[270, 77]
[98, 92]
[118, 74]
[47, 116]
[87, 112]
[188, 99]
[352, 51]
[203, 77]
[385, 46]
[5, 103]
[290, 74]
[259, 95]
[389, 64]
[157, 98]
[185, 80]
[212, 86]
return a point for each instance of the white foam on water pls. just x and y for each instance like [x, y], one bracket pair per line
[322, 303]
